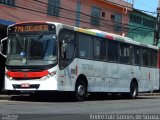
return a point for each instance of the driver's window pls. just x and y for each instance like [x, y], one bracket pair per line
[67, 47]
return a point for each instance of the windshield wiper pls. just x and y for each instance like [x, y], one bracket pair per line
[19, 38]
[39, 37]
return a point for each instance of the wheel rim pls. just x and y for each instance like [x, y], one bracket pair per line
[133, 91]
[81, 90]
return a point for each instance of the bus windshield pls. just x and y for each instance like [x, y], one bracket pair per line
[36, 49]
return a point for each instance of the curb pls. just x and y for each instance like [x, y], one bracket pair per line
[5, 97]
[149, 94]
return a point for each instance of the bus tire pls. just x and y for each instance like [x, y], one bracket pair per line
[133, 90]
[80, 91]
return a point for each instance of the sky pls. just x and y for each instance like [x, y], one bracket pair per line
[146, 5]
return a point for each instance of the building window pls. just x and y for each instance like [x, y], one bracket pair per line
[148, 23]
[54, 7]
[95, 16]
[117, 18]
[135, 19]
[78, 14]
[8, 2]
[103, 14]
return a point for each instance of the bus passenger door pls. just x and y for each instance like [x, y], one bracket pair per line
[67, 64]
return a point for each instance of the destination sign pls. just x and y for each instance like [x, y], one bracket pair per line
[31, 28]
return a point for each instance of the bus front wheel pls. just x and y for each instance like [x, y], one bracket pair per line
[80, 91]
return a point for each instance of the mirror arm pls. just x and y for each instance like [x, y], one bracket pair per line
[1, 46]
[4, 39]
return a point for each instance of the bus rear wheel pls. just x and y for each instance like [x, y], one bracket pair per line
[133, 90]
[80, 91]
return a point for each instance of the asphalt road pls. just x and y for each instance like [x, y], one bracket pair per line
[110, 107]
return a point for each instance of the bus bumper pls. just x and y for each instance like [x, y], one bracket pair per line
[31, 85]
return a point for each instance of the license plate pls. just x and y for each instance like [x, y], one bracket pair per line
[25, 85]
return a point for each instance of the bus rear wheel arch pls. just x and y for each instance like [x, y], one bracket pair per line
[80, 93]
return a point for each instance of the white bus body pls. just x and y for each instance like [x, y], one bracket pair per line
[96, 73]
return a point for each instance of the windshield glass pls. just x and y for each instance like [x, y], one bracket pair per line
[38, 49]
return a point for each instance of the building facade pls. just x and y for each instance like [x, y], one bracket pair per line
[141, 27]
[107, 15]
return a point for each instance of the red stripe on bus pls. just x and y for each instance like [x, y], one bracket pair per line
[27, 74]
[109, 37]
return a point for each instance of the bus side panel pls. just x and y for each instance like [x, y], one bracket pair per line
[135, 74]
[67, 77]
[149, 79]
[113, 76]
[124, 77]
[100, 74]
[144, 84]
[86, 67]
[155, 78]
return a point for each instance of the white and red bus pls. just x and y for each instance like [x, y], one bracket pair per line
[49, 56]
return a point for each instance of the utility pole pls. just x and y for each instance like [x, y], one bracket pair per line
[157, 30]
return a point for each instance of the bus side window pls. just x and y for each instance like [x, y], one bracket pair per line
[145, 56]
[136, 54]
[99, 48]
[82, 53]
[85, 43]
[153, 58]
[113, 50]
[125, 53]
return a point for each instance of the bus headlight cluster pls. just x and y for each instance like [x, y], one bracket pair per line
[8, 77]
[48, 76]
